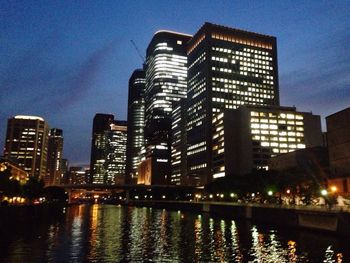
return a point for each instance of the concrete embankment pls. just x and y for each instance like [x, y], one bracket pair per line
[335, 220]
[26, 213]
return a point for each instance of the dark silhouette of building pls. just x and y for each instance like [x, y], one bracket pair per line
[54, 157]
[27, 142]
[136, 124]
[338, 141]
[227, 68]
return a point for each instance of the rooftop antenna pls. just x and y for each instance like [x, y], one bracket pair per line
[138, 52]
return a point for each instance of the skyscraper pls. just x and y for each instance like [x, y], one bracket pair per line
[227, 68]
[178, 143]
[116, 153]
[166, 83]
[27, 142]
[136, 123]
[54, 157]
[101, 125]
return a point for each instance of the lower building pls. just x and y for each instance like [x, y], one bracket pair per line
[246, 138]
[77, 175]
[17, 172]
[312, 161]
[338, 142]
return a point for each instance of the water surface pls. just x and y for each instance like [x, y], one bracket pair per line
[108, 233]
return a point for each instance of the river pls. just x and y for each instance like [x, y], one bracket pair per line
[109, 233]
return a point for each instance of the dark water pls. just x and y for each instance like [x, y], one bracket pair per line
[107, 233]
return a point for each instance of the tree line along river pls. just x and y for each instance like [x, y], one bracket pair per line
[110, 233]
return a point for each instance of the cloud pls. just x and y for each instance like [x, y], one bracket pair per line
[36, 82]
[323, 78]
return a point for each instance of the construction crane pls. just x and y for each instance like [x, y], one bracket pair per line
[138, 51]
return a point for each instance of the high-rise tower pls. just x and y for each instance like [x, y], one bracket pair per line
[227, 68]
[101, 124]
[54, 157]
[136, 124]
[166, 83]
[116, 153]
[26, 143]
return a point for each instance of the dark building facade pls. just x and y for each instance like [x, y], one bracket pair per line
[101, 125]
[338, 142]
[178, 143]
[166, 83]
[227, 68]
[54, 157]
[26, 144]
[136, 124]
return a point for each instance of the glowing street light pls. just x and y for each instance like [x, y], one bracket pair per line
[210, 196]
[222, 195]
[270, 193]
[333, 189]
[324, 192]
[288, 191]
[232, 195]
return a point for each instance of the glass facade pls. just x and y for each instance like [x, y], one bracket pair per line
[136, 124]
[166, 83]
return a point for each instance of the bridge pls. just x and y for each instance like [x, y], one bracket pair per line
[73, 190]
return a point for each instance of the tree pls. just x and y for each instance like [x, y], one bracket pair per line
[33, 188]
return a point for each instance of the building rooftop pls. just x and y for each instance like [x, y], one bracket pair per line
[27, 117]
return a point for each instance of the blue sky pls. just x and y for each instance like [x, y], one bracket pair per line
[67, 60]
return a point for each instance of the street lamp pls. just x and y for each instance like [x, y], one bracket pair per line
[270, 193]
[324, 192]
[333, 189]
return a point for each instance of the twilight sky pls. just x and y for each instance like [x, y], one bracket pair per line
[67, 60]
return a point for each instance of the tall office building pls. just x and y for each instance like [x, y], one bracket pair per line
[54, 157]
[27, 142]
[227, 68]
[178, 143]
[116, 153]
[101, 125]
[166, 83]
[136, 124]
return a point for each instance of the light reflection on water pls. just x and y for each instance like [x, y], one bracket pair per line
[106, 233]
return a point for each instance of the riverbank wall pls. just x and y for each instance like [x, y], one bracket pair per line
[316, 218]
[27, 213]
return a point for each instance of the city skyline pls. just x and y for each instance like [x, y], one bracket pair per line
[95, 79]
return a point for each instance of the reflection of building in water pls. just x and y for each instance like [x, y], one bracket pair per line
[144, 172]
